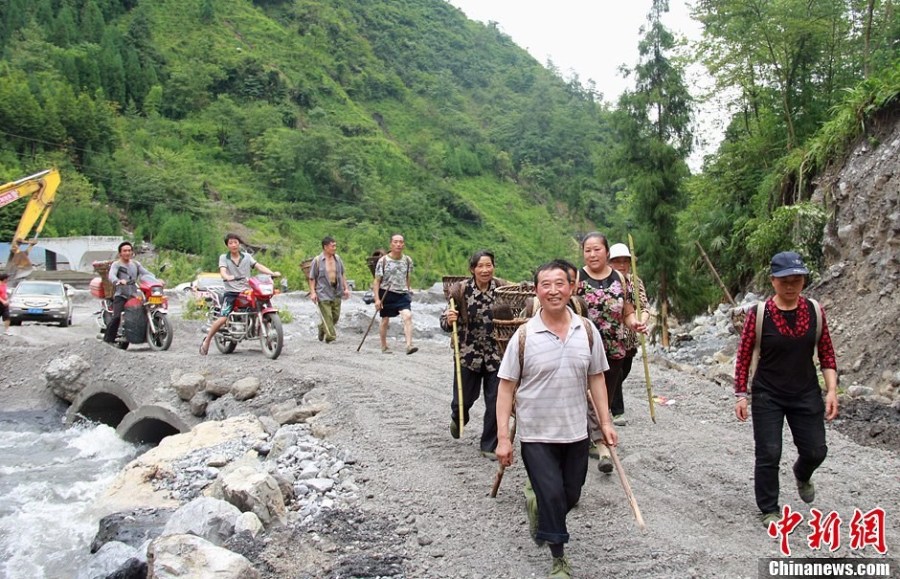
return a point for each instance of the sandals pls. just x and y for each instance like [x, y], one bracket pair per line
[204, 348]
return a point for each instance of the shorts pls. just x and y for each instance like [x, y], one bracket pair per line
[393, 303]
[228, 303]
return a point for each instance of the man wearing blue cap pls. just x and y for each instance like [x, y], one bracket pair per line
[785, 384]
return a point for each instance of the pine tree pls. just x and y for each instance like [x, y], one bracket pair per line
[656, 140]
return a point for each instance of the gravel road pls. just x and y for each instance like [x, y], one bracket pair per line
[425, 510]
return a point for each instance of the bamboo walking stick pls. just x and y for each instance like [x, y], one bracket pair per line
[375, 315]
[635, 280]
[459, 387]
[498, 478]
[329, 330]
[621, 472]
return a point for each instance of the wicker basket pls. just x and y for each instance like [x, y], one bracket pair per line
[306, 266]
[101, 268]
[372, 260]
[515, 297]
[449, 280]
[504, 330]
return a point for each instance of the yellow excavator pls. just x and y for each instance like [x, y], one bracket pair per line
[41, 190]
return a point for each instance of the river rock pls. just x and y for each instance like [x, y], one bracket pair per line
[204, 517]
[256, 492]
[188, 385]
[108, 559]
[245, 388]
[190, 557]
[132, 527]
[198, 404]
[248, 523]
[65, 376]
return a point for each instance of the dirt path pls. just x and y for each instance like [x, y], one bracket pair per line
[424, 509]
[691, 473]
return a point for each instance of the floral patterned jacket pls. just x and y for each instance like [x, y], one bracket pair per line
[606, 299]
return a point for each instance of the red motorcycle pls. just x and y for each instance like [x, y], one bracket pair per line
[145, 318]
[253, 316]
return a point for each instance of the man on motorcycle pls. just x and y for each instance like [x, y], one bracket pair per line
[124, 274]
[234, 267]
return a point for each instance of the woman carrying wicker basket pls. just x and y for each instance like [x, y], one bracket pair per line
[473, 303]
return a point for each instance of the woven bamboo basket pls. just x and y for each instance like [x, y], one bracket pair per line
[504, 330]
[449, 280]
[372, 260]
[515, 297]
[306, 266]
[101, 268]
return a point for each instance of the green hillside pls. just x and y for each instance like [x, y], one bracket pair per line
[288, 121]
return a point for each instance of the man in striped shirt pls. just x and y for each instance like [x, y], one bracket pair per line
[559, 364]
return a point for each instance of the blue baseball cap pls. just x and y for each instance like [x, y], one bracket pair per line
[788, 263]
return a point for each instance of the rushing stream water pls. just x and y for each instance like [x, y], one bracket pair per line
[49, 478]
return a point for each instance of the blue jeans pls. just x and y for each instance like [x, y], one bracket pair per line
[805, 413]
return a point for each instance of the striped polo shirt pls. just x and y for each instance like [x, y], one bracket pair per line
[551, 403]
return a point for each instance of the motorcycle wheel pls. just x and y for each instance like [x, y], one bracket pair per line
[223, 345]
[162, 339]
[271, 336]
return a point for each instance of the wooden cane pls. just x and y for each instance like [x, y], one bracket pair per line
[375, 315]
[498, 478]
[635, 280]
[621, 472]
[459, 387]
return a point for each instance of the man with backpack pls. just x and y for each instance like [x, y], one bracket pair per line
[393, 295]
[549, 383]
[327, 285]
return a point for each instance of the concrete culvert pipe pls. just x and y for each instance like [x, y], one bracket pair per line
[150, 424]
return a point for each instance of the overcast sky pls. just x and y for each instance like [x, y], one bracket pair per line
[590, 37]
[594, 38]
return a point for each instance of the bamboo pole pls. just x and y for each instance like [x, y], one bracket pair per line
[459, 386]
[635, 280]
[715, 273]
[621, 472]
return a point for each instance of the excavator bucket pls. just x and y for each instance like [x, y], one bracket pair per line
[19, 265]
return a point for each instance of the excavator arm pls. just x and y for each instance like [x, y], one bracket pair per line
[41, 190]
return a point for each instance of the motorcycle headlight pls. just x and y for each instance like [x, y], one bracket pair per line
[156, 290]
[266, 288]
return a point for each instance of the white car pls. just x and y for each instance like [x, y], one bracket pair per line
[40, 301]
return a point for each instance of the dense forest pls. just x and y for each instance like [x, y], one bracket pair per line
[287, 120]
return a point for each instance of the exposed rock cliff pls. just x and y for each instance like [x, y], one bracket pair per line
[862, 272]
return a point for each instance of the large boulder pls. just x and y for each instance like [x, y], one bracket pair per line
[190, 557]
[132, 527]
[205, 517]
[66, 376]
[257, 492]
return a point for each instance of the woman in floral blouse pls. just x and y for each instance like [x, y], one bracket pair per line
[609, 297]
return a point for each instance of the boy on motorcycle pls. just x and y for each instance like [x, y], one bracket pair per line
[234, 267]
[123, 274]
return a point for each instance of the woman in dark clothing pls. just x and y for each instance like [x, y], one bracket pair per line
[785, 384]
[473, 302]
